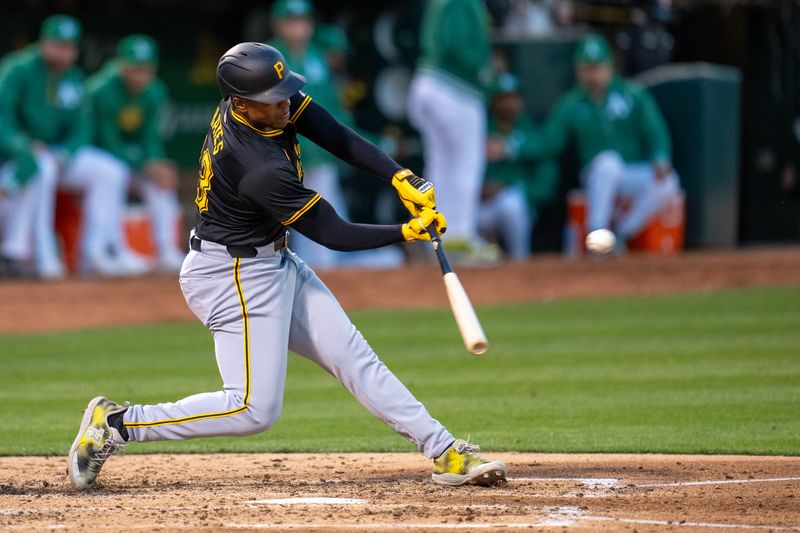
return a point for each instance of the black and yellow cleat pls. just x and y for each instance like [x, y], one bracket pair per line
[96, 441]
[461, 464]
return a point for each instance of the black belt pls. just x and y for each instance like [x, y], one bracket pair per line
[196, 244]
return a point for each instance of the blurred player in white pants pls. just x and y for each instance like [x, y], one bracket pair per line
[158, 186]
[27, 213]
[46, 126]
[505, 216]
[104, 184]
[453, 128]
[128, 100]
[516, 184]
[608, 177]
[31, 213]
[446, 106]
[621, 138]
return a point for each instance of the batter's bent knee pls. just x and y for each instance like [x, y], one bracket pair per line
[259, 419]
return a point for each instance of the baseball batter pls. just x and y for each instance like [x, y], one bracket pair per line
[258, 298]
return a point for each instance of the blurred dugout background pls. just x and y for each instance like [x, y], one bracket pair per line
[735, 126]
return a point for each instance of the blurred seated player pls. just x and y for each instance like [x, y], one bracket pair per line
[46, 126]
[515, 182]
[621, 138]
[128, 101]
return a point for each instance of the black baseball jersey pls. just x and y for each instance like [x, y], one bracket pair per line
[251, 180]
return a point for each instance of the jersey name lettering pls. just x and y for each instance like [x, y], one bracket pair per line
[216, 132]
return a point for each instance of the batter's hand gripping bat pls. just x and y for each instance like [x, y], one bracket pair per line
[468, 324]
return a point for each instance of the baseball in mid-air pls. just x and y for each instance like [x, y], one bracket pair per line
[600, 241]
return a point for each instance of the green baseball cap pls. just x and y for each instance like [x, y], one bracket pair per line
[61, 28]
[505, 83]
[284, 9]
[138, 50]
[592, 48]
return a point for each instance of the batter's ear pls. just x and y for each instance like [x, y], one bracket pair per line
[238, 104]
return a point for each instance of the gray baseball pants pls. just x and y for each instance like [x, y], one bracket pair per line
[256, 308]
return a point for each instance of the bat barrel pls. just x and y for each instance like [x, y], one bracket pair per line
[468, 324]
[467, 320]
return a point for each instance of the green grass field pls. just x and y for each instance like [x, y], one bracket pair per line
[698, 373]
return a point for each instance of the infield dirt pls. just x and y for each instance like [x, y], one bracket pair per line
[393, 491]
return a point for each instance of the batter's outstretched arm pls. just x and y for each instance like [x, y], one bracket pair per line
[323, 225]
[323, 129]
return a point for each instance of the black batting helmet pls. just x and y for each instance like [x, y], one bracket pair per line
[257, 72]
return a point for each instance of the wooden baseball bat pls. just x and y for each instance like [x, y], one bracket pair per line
[468, 324]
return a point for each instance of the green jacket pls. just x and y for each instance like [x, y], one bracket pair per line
[127, 124]
[522, 167]
[320, 85]
[454, 38]
[35, 105]
[627, 121]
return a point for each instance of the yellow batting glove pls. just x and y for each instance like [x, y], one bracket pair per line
[416, 228]
[414, 192]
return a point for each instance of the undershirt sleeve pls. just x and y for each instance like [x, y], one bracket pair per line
[323, 225]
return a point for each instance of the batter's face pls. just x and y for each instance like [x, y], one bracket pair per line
[59, 55]
[263, 116]
[594, 77]
[137, 77]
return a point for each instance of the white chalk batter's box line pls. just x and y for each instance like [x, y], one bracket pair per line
[614, 482]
